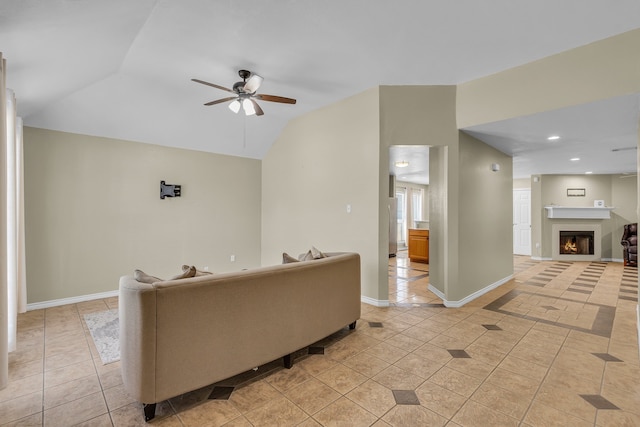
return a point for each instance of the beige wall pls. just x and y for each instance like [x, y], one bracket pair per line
[522, 183]
[616, 190]
[600, 70]
[426, 115]
[93, 212]
[322, 162]
[486, 218]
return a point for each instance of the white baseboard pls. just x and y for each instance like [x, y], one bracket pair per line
[539, 258]
[469, 298]
[71, 300]
[374, 302]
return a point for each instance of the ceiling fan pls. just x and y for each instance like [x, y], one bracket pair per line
[245, 94]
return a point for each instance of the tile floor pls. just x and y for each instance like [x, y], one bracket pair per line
[556, 346]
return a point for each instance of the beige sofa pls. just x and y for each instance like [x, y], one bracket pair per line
[180, 335]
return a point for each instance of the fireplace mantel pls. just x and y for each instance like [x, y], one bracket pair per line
[567, 212]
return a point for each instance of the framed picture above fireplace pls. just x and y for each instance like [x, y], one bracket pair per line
[576, 192]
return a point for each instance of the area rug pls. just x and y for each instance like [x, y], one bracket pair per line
[105, 331]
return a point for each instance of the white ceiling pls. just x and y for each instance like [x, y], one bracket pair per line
[122, 68]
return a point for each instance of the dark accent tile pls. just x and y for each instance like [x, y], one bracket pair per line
[580, 291]
[627, 298]
[585, 279]
[530, 283]
[221, 393]
[549, 307]
[547, 274]
[416, 304]
[459, 354]
[541, 279]
[405, 397]
[602, 325]
[375, 325]
[414, 278]
[584, 285]
[598, 401]
[629, 291]
[492, 327]
[607, 357]
[316, 350]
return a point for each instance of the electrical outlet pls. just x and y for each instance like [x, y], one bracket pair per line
[348, 208]
[233, 258]
[206, 268]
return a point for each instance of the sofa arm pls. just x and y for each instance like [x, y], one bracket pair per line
[137, 311]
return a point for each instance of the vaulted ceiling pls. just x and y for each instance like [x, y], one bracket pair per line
[123, 69]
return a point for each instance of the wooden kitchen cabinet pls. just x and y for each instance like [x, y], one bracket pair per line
[419, 245]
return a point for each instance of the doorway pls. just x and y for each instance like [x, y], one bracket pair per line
[522, 221]
[409, 189]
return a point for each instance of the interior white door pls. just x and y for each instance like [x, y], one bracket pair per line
[522, 221]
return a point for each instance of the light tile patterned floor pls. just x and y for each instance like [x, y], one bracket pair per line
[556, 346]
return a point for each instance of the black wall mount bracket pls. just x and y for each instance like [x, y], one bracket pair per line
[169, 190]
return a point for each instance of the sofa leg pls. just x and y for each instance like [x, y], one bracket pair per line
[288, 361]
[352, 325]
[149, 411]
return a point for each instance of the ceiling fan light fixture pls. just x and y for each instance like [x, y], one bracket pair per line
[248, 108]
[402, 164]
[235, 106]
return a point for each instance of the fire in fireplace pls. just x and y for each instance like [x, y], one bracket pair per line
[576, 242]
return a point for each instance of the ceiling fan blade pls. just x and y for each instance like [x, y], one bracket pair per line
[252, 85]
[259, 111]
[274, 98]
[212, 85]
[218, 101]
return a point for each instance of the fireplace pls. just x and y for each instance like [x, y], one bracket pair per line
[576, 241]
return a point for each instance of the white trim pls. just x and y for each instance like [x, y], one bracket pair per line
[374, 302]
[469, 298]
[638, 326]
[71, 300]
[436, 291]
[570, 212]
[541, 258]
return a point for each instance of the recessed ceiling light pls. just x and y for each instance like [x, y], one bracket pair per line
[402, 164]
[553, 137]
[574, 159]
[588, 173]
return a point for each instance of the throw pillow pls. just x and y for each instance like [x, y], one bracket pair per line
[190, 272]
[312, 253]
[186, 268]
[305, 257]
[286, 258]
[143, 277]
[316, 253]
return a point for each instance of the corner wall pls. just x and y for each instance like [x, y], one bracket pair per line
[94, 213]
[322, 162]
[485, 214]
